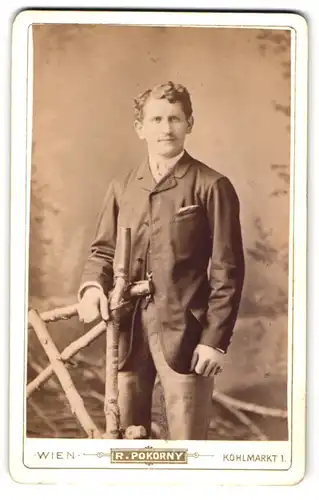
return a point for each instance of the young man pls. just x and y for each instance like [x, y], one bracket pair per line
[185, 230]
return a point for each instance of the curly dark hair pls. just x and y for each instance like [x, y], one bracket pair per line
[170, 91]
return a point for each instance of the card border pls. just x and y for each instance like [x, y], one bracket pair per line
[298, 215]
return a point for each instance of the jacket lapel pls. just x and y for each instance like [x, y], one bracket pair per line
[168, 182]
[144, 176]
[183, 165]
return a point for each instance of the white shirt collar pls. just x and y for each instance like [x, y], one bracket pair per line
[168, 163]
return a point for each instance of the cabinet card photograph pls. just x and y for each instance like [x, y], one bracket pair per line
[158, 247]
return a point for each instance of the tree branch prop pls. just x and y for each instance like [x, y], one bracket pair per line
[111, 409]
[68, 312]
[39, 369]
[249, 407]
[75, 400]
[233, 405]
[136, 289]
[122, 273]
[66, 354]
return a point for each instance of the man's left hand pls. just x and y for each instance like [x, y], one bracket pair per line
[206, 360]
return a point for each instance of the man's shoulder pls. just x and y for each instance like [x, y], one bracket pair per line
[210, 180]
[206, 172]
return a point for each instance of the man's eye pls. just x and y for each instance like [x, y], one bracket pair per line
[175, 119]
[157, 119]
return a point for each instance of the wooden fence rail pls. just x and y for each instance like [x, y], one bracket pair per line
[74, 398]
[37, 321]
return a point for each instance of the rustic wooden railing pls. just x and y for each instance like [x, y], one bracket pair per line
[57, 366]
[57, 362]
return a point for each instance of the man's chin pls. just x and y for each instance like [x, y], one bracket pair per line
[168, 150]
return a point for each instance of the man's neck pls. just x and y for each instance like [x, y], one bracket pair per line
[160, 165]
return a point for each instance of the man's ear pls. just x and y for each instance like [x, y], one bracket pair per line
[139, 129]
[190, 122]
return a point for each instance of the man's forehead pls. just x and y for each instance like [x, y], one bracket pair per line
[156, 105]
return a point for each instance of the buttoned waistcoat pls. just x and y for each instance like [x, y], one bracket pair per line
[196, 256]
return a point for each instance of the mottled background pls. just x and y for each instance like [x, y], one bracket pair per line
[85, 78]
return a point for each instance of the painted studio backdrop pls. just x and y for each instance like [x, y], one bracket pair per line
[85, 79]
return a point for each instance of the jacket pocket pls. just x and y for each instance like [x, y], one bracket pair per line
[187, 210]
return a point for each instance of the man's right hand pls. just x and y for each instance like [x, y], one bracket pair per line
[93, 305]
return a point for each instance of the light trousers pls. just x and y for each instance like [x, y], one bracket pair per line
[187, 396]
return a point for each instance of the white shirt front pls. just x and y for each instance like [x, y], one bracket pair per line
[160, 166]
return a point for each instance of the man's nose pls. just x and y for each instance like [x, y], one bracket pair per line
[166, 126]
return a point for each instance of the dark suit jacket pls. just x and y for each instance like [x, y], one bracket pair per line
[196, 257]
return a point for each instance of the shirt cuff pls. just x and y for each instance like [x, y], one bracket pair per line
[219, 350]
[88, 284]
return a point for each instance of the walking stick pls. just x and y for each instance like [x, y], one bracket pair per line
[111, 408]
[122, 292]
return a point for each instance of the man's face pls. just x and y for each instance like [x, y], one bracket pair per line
[164, 127]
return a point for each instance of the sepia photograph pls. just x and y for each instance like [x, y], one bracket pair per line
[181, 138]
[160, 251]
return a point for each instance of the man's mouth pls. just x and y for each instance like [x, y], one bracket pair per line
[169, 139]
